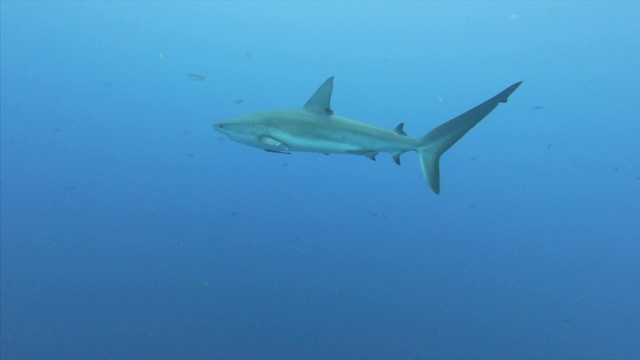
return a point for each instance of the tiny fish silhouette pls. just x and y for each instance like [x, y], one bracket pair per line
[537, 107]
[239, 101]
[197, 77]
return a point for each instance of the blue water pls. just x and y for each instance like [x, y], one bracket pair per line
[132, 230]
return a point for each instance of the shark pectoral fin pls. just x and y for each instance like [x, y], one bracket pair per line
[277, 152]
[320, 102]
[268, 140]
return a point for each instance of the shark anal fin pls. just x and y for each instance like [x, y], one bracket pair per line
[320, 101]
[396, 158]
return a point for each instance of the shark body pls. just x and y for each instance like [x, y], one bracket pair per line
[315, 128]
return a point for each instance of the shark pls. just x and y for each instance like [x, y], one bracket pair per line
[315, 128]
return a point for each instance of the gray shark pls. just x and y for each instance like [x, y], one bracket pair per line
[315, 128]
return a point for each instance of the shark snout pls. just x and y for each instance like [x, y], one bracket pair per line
[219, 127]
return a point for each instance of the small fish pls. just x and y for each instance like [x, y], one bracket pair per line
[473, 158]
[56, 129]
[239, 101]
[189, 155]
[197, 77]
[247, 55]
[537, 107]
[549, 146]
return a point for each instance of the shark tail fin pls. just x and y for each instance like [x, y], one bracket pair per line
[440, 139]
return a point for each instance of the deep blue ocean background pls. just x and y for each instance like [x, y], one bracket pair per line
[132, 230]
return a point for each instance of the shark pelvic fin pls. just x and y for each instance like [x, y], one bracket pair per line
[320, 102]
[370, 154]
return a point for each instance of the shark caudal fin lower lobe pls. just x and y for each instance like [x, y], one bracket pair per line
[440, 139]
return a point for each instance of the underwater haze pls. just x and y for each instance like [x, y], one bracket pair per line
[131, 229]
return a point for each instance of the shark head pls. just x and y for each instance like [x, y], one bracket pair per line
[245, 129]
[253, 130]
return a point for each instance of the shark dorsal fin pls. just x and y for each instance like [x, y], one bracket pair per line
[400, 129]
[320, 102]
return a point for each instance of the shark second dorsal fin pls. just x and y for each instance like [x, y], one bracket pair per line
[400, 129]
[320, 102]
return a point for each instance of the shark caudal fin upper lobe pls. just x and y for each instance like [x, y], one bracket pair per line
[440, 139]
